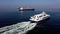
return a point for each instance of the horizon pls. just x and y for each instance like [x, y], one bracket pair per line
[30, 3]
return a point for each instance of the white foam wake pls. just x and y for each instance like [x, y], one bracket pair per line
[19, 28]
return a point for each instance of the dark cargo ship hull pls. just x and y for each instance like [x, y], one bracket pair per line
[26, 10]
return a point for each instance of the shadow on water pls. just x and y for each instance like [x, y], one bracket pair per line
[43, 28]
[40, 28]
[43, 21]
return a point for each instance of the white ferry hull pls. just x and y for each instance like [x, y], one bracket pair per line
[40, 20]
[39, 17]
[44, 18]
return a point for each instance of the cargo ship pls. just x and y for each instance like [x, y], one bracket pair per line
[26, 9]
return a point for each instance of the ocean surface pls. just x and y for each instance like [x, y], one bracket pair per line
[13, 16]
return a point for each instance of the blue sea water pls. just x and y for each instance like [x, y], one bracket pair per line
[9, 17]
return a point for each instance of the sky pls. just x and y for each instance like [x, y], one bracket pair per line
[30, 3]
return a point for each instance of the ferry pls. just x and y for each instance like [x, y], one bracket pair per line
[39, 17]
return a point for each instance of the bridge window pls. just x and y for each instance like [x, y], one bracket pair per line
[40, 16]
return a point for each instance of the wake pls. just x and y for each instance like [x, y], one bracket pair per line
[19, 28]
